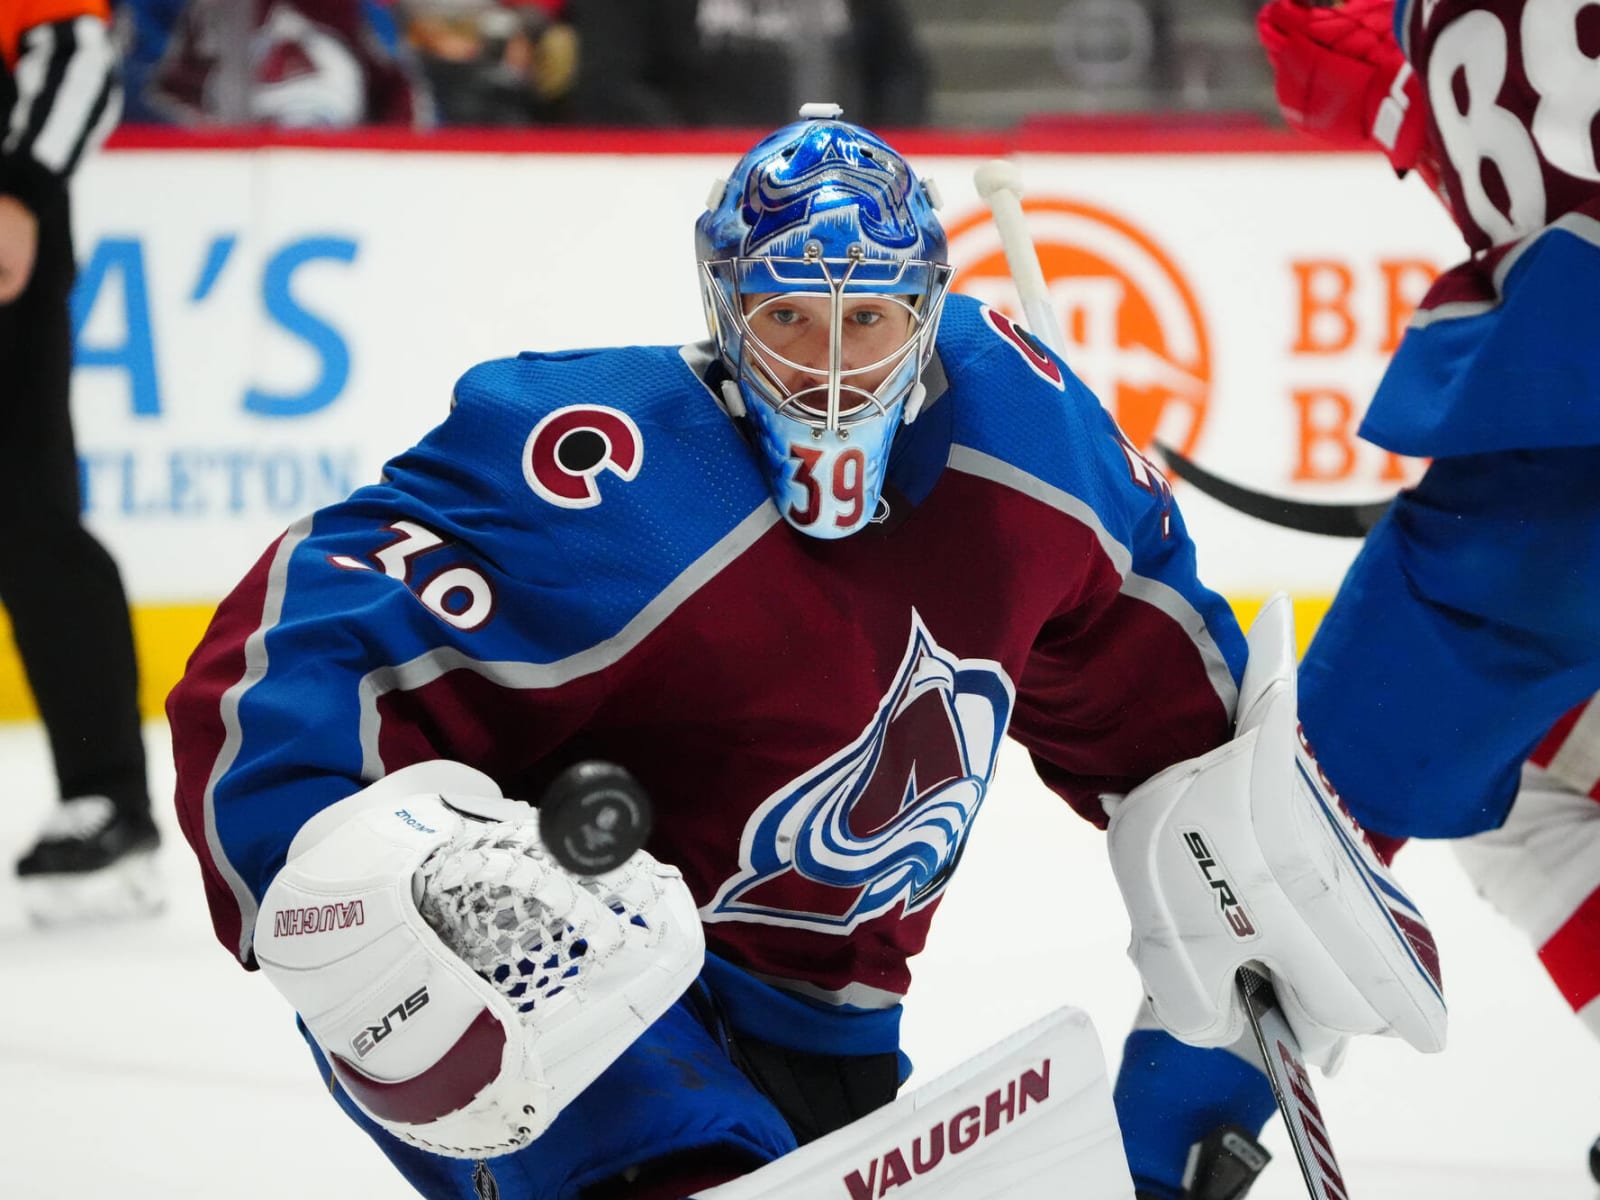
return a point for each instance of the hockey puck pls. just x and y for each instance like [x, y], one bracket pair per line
[593, 817]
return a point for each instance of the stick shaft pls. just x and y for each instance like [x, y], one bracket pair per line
[1291, 1087]
[1005, 205]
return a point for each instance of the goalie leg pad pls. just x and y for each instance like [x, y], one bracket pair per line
[1246, 855]
[1028, 1119]
[462, 985]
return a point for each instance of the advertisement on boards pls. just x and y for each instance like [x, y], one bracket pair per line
[258, 330]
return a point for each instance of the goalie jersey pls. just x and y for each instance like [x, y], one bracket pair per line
[584, 561]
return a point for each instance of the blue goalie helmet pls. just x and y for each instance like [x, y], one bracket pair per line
[823, 272]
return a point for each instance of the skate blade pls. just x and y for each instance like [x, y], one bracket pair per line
[128, 889]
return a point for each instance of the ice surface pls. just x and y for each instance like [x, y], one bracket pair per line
[138, 1061]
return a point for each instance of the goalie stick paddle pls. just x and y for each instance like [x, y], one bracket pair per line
[1291, 1086]
[593, 817]
[1331, 520]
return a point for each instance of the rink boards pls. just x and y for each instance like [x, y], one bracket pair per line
[261, 323]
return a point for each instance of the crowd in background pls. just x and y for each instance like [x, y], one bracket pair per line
[643, 63]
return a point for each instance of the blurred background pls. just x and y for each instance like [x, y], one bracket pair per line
[892, 63]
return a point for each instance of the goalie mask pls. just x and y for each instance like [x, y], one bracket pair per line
[822, 270]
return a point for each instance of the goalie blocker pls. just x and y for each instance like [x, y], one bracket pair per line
[1246, 855]
[462, 986]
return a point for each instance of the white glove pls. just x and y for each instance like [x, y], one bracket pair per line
[1246, 855]
[464, 987]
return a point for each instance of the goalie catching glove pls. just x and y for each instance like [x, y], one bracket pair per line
[463, 987]
[1341, 77]
[1246, 855]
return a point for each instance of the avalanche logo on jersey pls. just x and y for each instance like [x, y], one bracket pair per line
[882, 823]
[790, 192]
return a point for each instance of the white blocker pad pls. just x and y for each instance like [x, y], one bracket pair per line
[1247, 855]
[1030, 1118]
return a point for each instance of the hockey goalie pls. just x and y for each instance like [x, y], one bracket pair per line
[801, 580]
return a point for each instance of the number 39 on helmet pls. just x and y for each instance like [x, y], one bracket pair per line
[823, 272]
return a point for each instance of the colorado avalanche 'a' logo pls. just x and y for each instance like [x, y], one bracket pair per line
[571, 446]
[826, 173]
[882, 823]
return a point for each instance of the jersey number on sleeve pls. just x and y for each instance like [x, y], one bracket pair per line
[458, 596]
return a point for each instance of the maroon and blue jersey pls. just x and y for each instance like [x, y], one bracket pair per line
[583, 561]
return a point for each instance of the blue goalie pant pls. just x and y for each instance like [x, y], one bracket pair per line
[674, 1090]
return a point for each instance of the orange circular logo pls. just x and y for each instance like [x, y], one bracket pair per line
[1134, 333]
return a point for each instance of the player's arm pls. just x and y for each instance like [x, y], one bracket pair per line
[63, 68]
[336, 660]
[1139, 666]
[383, 898]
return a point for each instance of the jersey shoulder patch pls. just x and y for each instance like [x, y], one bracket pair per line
[1031, 349]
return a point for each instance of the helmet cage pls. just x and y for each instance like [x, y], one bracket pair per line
[916, 285]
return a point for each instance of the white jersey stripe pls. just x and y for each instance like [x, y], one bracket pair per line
[1138, 587]
[1577, 225]
[38, 47]
[1577, 762]
[255, 669]
[75, 105]
[1541, 865]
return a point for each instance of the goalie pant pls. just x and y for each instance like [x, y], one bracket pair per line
[1540, 870]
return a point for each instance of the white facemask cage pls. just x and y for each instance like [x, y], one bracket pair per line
[836, 403]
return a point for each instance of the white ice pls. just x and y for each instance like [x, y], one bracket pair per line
[138, 1061]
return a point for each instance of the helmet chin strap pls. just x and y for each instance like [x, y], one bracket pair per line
[914, 399]
[732, 398]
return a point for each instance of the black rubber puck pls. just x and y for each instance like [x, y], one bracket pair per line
[593, 816]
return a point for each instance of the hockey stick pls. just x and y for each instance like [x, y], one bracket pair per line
[1330, 520]
[1291, 1086]
[999, 183]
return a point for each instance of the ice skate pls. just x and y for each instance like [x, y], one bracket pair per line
[91, 862]
[1222, 1166]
